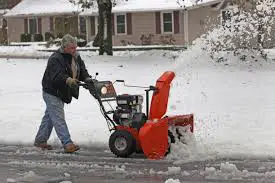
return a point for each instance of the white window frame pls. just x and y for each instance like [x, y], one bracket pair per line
[36, 24]
[125, 18]
[162, 22]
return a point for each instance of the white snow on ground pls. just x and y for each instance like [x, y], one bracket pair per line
[172, 181]
[228, 171]
[32, 177]
[233, 104]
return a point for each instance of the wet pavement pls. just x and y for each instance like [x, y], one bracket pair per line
[98, 164]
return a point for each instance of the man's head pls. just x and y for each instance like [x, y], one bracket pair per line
[69, 44]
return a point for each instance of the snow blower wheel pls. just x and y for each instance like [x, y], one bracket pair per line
[122, 143]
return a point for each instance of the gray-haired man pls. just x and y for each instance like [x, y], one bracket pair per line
[64, 69]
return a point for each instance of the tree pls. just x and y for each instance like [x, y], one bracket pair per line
[103, 39]
[246, 27]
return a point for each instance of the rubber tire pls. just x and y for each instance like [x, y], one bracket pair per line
[131, 143]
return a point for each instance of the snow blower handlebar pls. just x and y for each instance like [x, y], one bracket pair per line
[102, 91]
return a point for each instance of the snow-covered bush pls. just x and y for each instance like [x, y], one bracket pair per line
[245, 28]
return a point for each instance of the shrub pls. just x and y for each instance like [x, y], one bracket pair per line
[59, 35]
[146, 39]
[167, 40]
[25, 37]
[38, 37]
[81, 40]
[48, 35]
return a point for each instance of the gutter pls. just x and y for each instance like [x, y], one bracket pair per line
[40, 14]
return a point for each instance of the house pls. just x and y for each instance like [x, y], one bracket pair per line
[33, 18]
[144, 22]
[5, 6]
[139, 22]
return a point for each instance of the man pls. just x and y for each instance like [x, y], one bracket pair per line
[60, 83]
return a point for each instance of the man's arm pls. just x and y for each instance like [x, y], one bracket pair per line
[58, 73]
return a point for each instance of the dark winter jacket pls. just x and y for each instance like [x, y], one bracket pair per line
[57, 71]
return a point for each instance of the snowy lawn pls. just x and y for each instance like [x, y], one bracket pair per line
[233, 103]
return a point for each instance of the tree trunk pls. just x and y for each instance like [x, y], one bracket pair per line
[103, 39]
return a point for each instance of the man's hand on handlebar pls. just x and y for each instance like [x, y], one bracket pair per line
[88, 80]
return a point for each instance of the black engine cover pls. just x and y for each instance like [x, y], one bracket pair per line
[129, 99]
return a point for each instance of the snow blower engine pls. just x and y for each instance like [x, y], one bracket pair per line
[134, 131]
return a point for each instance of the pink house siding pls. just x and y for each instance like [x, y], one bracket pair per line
[144, 23]
[200, 20]
[15, 28]
[188, 25]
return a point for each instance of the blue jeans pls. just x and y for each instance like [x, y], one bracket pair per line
[54, 117]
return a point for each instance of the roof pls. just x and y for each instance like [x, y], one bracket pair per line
[151, 5]
[3, 11]
[42, 7]
[62, 7]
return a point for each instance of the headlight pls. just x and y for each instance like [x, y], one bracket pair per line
[103, 90]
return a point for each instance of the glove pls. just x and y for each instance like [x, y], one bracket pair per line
[71, 82]
[88, 80]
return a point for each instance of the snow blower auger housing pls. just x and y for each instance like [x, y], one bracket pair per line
[135, 131]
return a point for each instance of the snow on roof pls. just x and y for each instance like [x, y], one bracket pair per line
[150, 5]
[56, 7]
[3, 11]
[43, 7]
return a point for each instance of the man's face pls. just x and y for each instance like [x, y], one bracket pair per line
[70, 49]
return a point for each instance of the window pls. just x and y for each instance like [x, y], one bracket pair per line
[167, 22]
[120, 24]
[82, 25]
[33, 26]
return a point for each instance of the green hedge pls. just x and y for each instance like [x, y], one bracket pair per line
[37, 37]
[24, 37]
[49, 35]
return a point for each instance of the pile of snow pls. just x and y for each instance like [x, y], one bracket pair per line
[23, 51]
[228, 171]
[32, 177]
[240, 36]
[172, 181]
[27, 177]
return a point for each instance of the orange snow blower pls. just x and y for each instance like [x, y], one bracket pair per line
[133, 130]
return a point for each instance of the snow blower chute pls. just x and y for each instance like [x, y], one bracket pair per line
[135, 131]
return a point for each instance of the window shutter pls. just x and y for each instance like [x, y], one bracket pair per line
[129, 23]
[39, 26]
[51, 24]
[176, 22]
[92, 20]
[113, 24]
[26, 25]
[158, 28]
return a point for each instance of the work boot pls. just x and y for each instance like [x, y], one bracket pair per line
[70, 148]
[43, 146]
